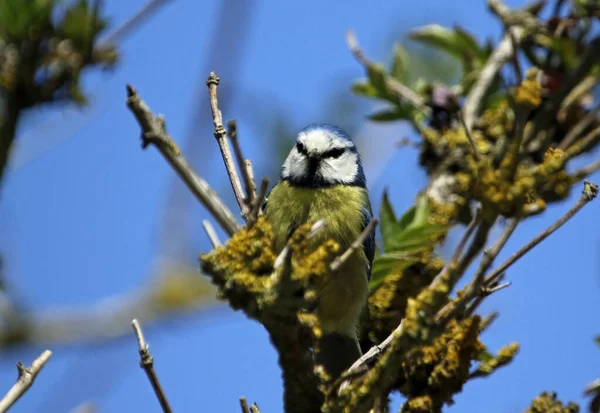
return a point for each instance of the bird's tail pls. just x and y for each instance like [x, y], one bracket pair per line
[337, 353]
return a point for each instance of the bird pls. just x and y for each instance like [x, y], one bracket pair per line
[323, 178]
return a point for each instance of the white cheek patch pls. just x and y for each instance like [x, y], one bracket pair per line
[339, 170]
[294, 165]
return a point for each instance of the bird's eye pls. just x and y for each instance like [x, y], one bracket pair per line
[334, 153]
[300, 147]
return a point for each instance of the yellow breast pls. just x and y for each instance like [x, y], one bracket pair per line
[341, 206]
[344, 294]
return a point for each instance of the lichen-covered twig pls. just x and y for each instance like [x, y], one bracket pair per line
[590, 191]
[502, 54]
[394, 86]
[26, 377]
[147, 363]
[358, 242]
[154, 132]
[221, 135]
[211, 233]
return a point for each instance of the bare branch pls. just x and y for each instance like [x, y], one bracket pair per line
[24, 381]
[154, 132]
[254, 408]
[245, 165]
[502, 53]
[211, 233]
[489, 256]
[147, 363]
[579, 128]
[491, 290]
[221, 136]
[340, 260]
[258, 201]
[394, 86]
[244, 405]
[470, 137]
[590, 190]
[134, 22]
[586, 171]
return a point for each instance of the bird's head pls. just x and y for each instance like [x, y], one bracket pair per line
[324, 155]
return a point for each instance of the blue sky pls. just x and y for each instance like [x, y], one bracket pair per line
[82, 213]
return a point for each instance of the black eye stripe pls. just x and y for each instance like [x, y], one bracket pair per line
[334, 153]
[300, 147]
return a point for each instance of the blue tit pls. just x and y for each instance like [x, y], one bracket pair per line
[323, 178]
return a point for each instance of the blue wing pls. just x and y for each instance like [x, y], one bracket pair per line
[369, 243]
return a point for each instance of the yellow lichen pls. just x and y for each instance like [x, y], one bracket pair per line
[529, 92]
[547, 402]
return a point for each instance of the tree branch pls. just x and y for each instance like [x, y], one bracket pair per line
[147, 363]
[154, 132]
[245, 165]
[502, 54]
[590, 191]
[211, 233]
[395, 87]
[221, 136]
[341, 259]
[24, 381]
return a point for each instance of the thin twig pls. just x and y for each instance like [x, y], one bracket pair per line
[154, 132]
[24, 380]
[254, 408]
[211, 233]
[586, 171]
[492, 290]
[358, 242]
[502, 53]
[244, 405]
[453, 266]
[258, 201]
[221, 136]
[470, 137]
[590, 190]
[472, 307]
[134, 22]
[394, 86]
[515, 57]
[489, 256]
[579, 127]
[245, 165]
[147, 363]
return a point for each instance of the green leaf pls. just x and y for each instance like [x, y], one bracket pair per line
[388, 219]
[415, 239]
[485, 356]
[377, 74]
[406, 219]
[457, 42]
[388, 264]
[399, 68]
[597, 340]
[397, 113]
[364, 88]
